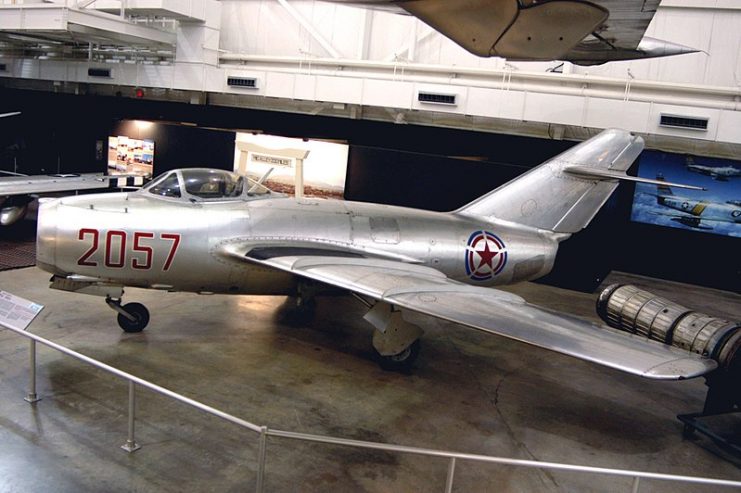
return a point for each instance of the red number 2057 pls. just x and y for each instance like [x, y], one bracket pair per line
[115, 248]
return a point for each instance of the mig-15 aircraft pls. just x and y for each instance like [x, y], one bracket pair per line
[213, 231]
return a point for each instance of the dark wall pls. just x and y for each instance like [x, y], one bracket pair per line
[98, 114]
[66, 133]
[177, 146]
[42, 140]
[419, 180]
[681, 255]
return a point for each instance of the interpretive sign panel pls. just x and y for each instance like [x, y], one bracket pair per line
[16, 312]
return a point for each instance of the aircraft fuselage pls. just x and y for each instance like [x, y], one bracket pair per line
[181, 246]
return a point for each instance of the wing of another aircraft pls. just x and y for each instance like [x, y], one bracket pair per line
[580, 31]
[26, 185]
[428, 291]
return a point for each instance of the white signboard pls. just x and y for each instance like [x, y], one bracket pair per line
[273, 160]
[16, 312]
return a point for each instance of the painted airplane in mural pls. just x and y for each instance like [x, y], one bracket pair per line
[695, 213]
[578, 31]
[212, 231]
[720, 173]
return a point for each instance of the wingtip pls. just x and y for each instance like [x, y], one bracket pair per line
[658, 47]
[681, 369]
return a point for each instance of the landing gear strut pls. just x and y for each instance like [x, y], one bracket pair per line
[305, 307]
[395, 340]
[132, 317]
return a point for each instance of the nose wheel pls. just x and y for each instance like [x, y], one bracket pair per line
[132, 317]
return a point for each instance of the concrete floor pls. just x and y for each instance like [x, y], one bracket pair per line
[249, 356]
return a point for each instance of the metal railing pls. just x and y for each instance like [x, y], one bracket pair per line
[264, 432]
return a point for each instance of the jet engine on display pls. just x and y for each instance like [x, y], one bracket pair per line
[212, 231]
[644, 314]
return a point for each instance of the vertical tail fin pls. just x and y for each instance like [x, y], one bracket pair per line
[564, 193]
[663, 189]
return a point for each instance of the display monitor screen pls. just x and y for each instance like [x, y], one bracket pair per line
[128, 156]
[715, 210]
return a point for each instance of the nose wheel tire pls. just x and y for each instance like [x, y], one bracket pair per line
[140, 314]
[401, 362]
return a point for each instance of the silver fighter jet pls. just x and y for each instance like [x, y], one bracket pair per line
[212, 231]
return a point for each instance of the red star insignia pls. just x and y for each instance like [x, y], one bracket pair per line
[486, 256]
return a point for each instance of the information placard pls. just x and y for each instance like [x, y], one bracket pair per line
[16, 312]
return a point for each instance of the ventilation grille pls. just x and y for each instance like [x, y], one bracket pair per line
[99, 72]
[436, 98]
[675, 121]
[248, 82]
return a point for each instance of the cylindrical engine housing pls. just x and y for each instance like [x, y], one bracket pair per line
[640, 312]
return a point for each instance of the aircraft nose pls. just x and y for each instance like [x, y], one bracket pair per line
[46, 235]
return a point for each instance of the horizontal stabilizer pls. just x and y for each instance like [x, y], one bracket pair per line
[606, 174]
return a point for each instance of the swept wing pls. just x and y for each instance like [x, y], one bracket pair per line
[428, 291]
[27, 185]
[583, 32]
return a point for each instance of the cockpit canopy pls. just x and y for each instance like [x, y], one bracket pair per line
[205, 184]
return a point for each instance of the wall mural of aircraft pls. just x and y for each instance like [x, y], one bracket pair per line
[700, 214]
[203, 230]
[720, 173]
[578, 31]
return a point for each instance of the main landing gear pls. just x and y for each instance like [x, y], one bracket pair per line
[395, 340]
[132, 317]
[400, 362]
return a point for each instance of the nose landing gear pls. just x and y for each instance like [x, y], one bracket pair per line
[132, 317]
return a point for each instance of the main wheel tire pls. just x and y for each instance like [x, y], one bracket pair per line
[401, 362]
[140, 314]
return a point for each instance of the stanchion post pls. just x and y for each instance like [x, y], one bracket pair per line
[636, 484]
[451, 474]
[131, 445]
[261, 452]
[31, 397]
